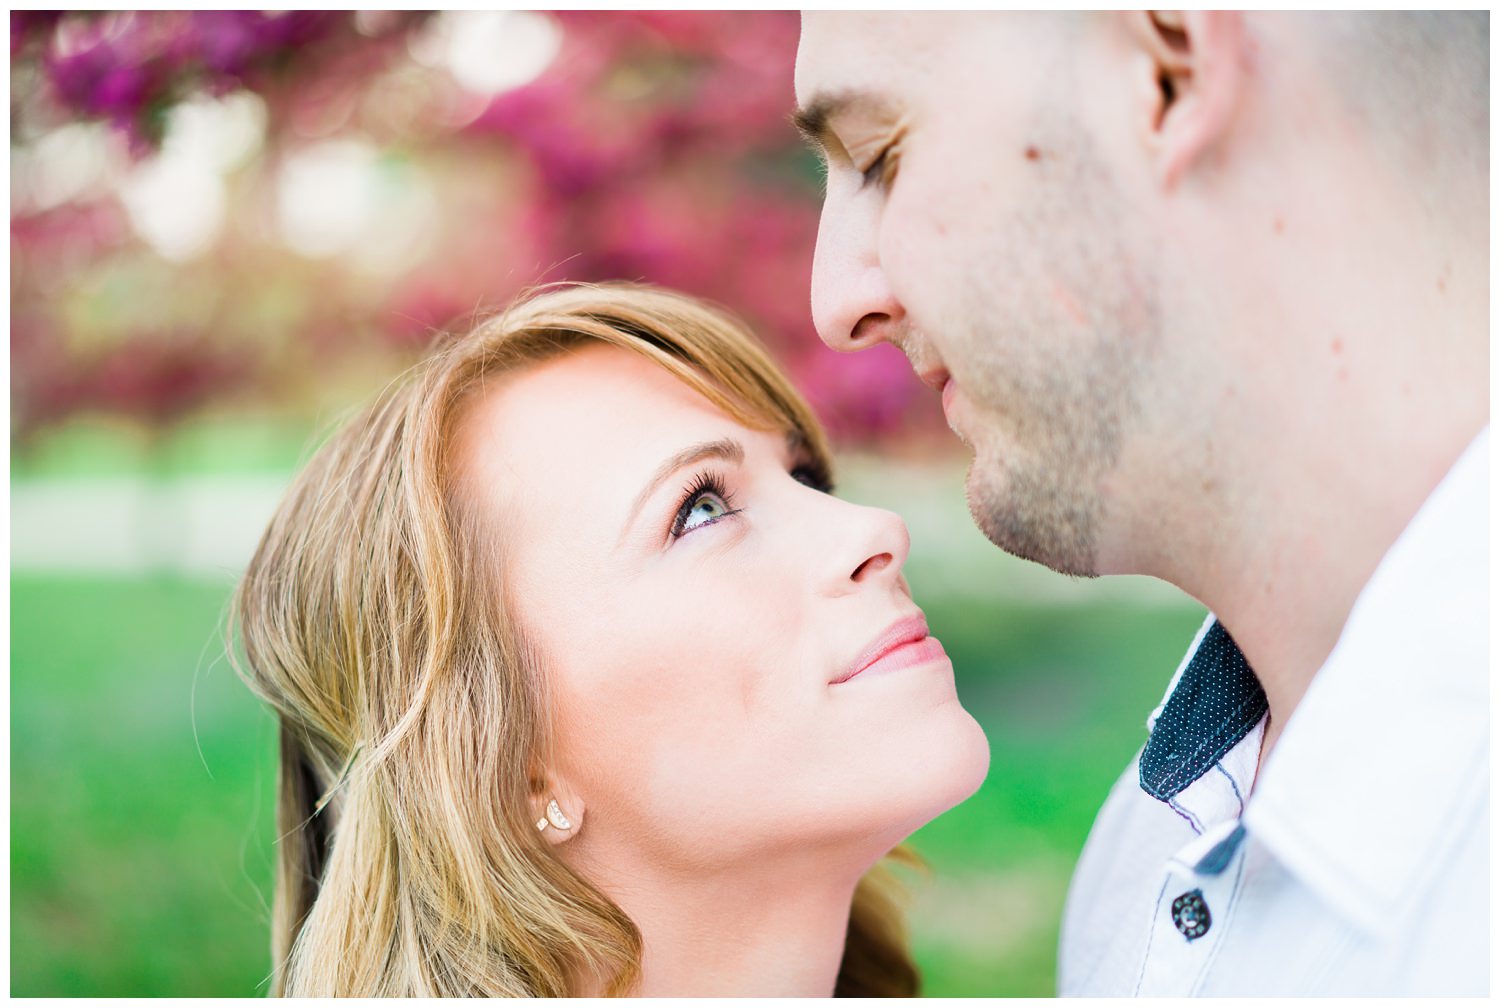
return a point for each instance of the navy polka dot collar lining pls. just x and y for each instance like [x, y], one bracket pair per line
[1216, 703]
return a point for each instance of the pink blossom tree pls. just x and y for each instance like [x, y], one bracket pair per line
[655, 146]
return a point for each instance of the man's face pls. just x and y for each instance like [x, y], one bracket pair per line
[974, 218]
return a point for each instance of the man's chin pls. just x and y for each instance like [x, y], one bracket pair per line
[1032, 516]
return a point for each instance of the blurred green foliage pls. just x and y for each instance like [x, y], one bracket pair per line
[142, 776]
[141, 782]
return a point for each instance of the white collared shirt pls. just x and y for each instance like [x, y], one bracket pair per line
[1360, 864]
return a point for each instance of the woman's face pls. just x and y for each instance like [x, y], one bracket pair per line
[697, 604]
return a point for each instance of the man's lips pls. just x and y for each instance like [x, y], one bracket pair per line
[940, 381]
[903, 644]
[935, 378]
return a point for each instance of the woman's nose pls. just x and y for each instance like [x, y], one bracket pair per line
[874, 551]
[852, 303]
[873, 566]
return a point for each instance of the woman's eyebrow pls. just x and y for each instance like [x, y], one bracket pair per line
[723, 448]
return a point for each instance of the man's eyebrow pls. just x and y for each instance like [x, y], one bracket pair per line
[724, 448]
[815, 119]
[811, 121]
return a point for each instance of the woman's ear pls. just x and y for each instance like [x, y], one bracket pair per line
[557, 809]
[1198, 58]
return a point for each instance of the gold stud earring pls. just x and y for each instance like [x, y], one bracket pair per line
[541, 824]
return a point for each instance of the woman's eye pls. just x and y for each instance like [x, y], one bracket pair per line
[707, 508]
[704, 502]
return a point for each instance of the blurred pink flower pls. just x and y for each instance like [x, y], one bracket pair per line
[655, 147]
[860, 396]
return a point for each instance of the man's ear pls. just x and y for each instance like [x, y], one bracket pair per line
[1198, 58]
[556, 808]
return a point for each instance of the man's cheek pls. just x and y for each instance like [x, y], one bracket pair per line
[899, 234]
[917, 255]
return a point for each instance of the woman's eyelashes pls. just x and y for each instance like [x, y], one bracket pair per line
[707, 499]
[704, 501]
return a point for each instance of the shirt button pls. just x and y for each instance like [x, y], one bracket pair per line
[1190, 914]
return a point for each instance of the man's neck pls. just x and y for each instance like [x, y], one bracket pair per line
[1287, 616]
[1305, 534]
[1350, 391]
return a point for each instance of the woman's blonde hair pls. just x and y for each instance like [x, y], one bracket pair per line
[412, 713]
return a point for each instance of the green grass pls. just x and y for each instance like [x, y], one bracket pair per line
[1063, 695]
[141, 775]
[140, 816]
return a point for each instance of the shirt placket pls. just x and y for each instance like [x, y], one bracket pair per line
[1200, 885]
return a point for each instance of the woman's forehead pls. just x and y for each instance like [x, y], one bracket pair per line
[587, 428]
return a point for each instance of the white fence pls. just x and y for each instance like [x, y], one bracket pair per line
[207, 527]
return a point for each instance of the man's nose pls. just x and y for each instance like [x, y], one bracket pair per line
[852, 303]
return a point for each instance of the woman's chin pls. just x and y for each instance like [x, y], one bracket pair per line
[967, 765]
[944, 776]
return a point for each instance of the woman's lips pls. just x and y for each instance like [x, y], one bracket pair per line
[928, 649]
[903, 645]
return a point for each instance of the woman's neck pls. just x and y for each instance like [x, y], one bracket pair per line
[755, 933]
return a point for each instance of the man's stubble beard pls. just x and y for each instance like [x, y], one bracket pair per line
[1038, 493]
[1059, 397]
